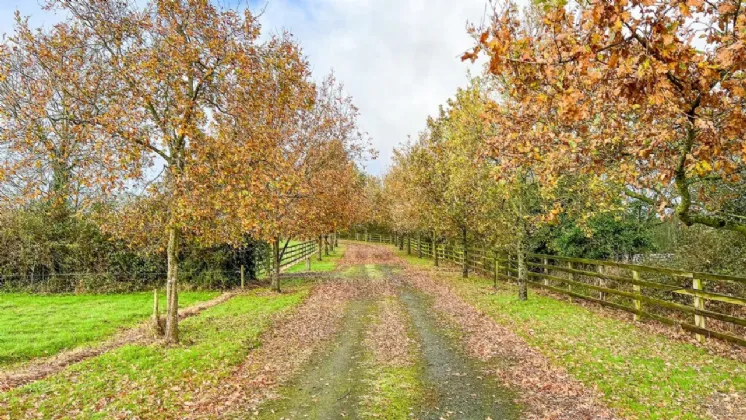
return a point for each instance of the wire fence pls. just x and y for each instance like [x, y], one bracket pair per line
[250, 268]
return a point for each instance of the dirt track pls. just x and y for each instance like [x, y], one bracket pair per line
[467, 366]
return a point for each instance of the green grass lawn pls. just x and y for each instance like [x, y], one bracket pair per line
[33, 326]
[137, 381]
[643, 375]
[328, 263]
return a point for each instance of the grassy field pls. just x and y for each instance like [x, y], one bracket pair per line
[643, 375]
[137, 381]
[33, 326]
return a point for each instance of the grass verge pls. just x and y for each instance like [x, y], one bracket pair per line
[35, 326]
[137, 381]
[640, 374]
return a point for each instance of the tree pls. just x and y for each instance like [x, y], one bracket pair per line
[454, 183]
[401, 194]
[648, 95]
[314, 155]
[50, 152]
[468, 188]
[429, 182]
[185, 80]
[375, 206]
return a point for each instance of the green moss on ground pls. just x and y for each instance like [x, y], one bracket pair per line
[394, 392]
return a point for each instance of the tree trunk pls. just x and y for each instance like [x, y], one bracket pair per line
[60, 190]
[336, 240]
[401, 242]
[321, 245]
[435, 248]
[276, 265]
[419, 244]
[522, 245]
[465, 262]
[522, 273]
[157, 325]
[326, 245]
[409, 244]
[172, 297]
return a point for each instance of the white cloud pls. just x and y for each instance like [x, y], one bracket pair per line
[399, 59]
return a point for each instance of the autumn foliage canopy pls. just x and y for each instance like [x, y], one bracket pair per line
[647, 94]
[179, 122]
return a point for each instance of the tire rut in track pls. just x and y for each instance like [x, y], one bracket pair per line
[456, 388]
[329, 388]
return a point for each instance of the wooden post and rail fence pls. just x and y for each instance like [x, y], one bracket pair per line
[293, 254]
[706, 304]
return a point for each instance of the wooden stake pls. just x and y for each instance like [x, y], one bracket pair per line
[699, 303]
[243, 282]
[601, 282]
[637, 289]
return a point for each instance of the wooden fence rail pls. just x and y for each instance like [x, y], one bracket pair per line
[707, 304]
[292, 255]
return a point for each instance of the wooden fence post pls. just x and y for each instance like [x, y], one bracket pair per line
[699, 303]
[497, 269]
[308, 262]
[243, 282]
[570, 276]
[637, 289]
[601, 282]
[546, 271]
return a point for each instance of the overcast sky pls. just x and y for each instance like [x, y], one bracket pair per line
[399, 59]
